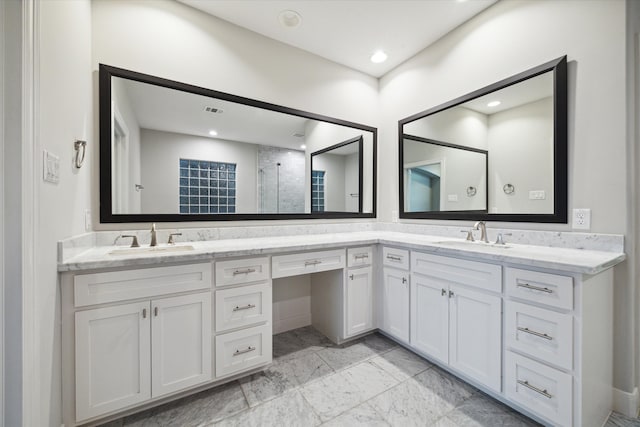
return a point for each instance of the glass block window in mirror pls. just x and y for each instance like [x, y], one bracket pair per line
[317, 191]
[207, 187]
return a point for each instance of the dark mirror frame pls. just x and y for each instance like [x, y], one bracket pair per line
[560, 150]
[106, 72]
[357, 139]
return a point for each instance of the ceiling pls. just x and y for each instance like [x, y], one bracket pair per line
[350, 31]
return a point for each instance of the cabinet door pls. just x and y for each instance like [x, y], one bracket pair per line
[359, 301]
[112, 358]
[181, 342]
[396, 303]
[430, 316]
[475, 335]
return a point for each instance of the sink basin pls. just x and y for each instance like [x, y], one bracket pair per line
[151, 250]
[468, 244]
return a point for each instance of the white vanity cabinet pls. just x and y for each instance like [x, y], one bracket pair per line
[358, 292]
[243, 310]
[395, 293]
[456, 315]
[134, 335]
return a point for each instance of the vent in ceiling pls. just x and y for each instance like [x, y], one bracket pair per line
[213, 110]
[298, 135]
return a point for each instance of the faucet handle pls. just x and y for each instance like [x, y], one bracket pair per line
[171, 242]
[500, 239]
[134, 242]
[469, 235]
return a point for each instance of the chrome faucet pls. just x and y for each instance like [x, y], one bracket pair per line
[480, 225]
[154, 240]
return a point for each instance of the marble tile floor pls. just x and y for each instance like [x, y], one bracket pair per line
[367, 382]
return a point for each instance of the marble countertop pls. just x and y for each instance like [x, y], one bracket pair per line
[564, 259]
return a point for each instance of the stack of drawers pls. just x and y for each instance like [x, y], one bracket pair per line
[539, 343]
[243, 323]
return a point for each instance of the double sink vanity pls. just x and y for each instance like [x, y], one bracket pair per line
[142, 326]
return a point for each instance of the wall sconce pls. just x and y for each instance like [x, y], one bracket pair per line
[81, 148]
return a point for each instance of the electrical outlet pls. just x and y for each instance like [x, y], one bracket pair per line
[87, 220]
[537, 195]
[581, 219]
[50, 167]
[452, 197]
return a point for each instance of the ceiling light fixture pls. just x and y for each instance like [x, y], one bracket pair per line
[493, 104]
[378, 57]
[303, 146]
[290, 18]
[213, 133]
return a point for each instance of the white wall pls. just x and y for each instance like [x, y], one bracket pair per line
[161, 154]
[460, 126]
[334, 183]
[65, 114]
[520, 142]
[122, 103]
[508, 38]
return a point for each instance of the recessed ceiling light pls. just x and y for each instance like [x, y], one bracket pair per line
[303, 146]
[290, 18]
[213, 133]
[493, 104]
[378, 57]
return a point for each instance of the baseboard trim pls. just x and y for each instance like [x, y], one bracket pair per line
[626, 403]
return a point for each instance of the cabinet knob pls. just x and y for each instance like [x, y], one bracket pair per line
[443, 292]
[451, 294]
[404, 280]
[351, 276]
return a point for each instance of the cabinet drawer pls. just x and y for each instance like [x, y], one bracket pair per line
[541, 333]
[238, 271]
[309, 262]
[100, 288]
[393, 257]
[359, 256]
[543, 288]
[470, 273]
[241, 350]
[542, 390]
[244, 306]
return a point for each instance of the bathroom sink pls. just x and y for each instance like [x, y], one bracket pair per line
[468, 244]
[149, 250]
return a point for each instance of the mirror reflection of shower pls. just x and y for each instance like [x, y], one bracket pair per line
[281, 180]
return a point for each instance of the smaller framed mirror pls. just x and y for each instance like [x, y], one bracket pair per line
[337, 177]
[496, 154]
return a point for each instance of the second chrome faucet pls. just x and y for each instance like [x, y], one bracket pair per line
[480, 225]
[154, 239]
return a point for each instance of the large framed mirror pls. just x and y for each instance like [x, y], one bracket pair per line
[496, 154]
[171, 151]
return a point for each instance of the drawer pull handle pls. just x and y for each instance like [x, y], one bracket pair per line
[537, 334]
[451, 294]
[351, 276]
[360, 256]
[536, 389]
[245, 271]
[535, 288]
[404, 280]
[155, 311]
[443, 292]
[314, 262]
[246, 350]
[394, 258]
[244, 307]
[144, 313]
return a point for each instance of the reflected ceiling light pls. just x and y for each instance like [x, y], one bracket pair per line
[303, 146]
[378, 57]
[213, 132]
[290, 18]
[493, 104]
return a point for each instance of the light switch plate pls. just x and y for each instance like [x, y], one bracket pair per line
[537, 195]
[51, 167]
[581, 219]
